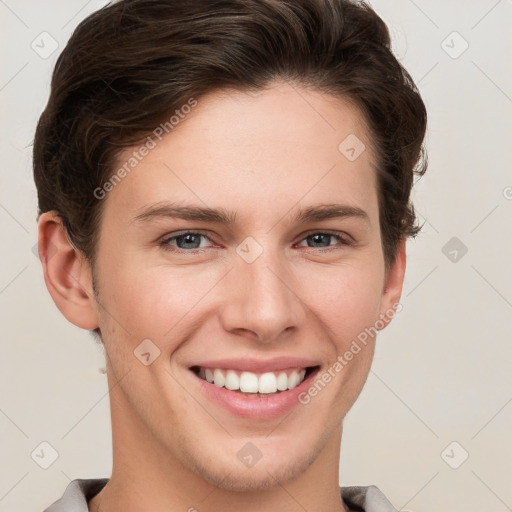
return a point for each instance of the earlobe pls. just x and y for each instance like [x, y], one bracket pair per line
[67, 273]
[392, 291]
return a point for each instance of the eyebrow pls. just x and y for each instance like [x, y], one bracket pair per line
[330, 211]
[186, 212]
[222, 216]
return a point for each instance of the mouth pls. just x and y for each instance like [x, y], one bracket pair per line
[254, 389]
[255, 384]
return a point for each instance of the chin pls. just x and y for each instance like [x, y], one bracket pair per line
[255, 479]
[269, 472]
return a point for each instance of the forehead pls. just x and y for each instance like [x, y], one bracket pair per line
[281, 145]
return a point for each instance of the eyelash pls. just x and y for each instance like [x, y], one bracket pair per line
[345, 240]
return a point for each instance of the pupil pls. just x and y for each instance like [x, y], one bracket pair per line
[318, 236]
[187, 239]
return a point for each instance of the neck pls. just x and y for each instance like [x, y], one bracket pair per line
[146, 476]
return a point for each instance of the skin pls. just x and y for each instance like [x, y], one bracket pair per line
[263, 156]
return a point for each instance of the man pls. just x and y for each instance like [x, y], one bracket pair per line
[224, 202]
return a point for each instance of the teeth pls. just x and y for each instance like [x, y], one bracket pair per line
[268, 383]
[248, 382]
[218, 378]
[293, 380]
[232, 380]
[282, 381]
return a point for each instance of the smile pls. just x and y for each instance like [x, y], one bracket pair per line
[266, 383]
[251, 388]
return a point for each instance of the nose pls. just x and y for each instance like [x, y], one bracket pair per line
[262, 300]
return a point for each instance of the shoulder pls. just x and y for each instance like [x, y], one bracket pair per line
[366, 499]
[77, 494]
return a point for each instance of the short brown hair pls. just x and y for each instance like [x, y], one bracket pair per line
[129, 65]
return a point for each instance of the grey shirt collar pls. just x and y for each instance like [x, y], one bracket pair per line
[80, 491]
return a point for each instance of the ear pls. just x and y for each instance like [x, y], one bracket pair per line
[67, 273]
[392, 290]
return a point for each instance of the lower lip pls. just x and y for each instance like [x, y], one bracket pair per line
[256, 407]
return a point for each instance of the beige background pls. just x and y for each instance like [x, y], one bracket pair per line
[442, 370]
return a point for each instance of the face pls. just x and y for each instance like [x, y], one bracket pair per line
[217, 259]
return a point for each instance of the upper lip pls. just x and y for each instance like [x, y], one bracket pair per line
[258, 365]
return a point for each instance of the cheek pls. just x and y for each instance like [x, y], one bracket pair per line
[346, 300]
[155, 303]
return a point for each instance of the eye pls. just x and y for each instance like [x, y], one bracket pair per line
[189, 241]
[321, 239]
[183, 241]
